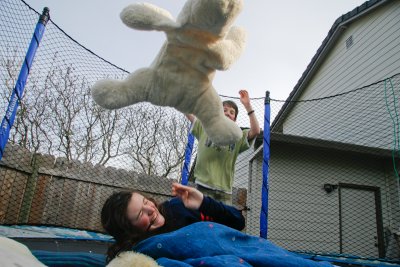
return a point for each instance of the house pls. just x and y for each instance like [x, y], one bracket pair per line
[335, 161]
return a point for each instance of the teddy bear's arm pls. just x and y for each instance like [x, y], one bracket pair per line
[145, 16]
[225, 52]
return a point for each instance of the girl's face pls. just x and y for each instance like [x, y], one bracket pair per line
[143, 214]
[229, 112]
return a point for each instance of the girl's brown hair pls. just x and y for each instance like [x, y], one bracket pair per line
[116, 223]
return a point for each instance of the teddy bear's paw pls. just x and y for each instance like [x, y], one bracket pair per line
[223, 132]
[145, 16]
[108, 94]
[132, 259]
[114, 94]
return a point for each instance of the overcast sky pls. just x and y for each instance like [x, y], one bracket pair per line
[282, 38]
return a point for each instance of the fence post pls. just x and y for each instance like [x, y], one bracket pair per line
[188, 155]
[17, 94]
[266, 156]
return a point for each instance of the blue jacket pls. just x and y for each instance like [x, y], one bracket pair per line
[210, 210]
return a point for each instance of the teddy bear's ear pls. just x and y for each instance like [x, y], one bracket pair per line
[145, 16]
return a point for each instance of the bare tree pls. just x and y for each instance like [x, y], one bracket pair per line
[157, 140]
[24, 128]
[58, 116]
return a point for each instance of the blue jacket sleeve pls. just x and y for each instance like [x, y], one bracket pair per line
[223, 214]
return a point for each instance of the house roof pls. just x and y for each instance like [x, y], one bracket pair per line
[334, 33]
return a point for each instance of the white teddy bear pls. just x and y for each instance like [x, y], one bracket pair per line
[201, 41]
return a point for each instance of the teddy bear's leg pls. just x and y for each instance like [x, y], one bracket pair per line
[114, 94]
[145, 16]
[220, 129]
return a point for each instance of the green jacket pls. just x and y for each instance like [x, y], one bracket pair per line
[215, 165]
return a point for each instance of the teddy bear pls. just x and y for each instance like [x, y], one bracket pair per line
[199, 42]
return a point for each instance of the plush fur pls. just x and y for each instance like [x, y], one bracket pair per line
[132, 259]
[200, 41]
[13, 253]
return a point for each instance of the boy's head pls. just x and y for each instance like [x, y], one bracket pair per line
[230, 109]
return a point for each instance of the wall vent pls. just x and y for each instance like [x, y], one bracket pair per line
[349, 42]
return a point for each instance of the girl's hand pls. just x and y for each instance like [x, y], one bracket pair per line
[190, 196]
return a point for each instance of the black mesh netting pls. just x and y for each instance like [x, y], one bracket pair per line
[333, 174]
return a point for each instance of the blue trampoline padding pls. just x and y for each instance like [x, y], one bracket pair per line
[352, 260]
[72, 259]
[30, 231]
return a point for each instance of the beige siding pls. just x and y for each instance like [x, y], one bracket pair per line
[241, 177]
[302, 216]
[374, 56]
[254, 196]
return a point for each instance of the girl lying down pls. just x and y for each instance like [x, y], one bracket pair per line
[188, 230]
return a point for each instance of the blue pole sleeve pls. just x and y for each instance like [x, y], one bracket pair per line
[265, 169]
[188, 155]
[17, 94]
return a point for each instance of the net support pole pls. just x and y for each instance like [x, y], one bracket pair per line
[188, 155]
[17, 93]
[265, 168]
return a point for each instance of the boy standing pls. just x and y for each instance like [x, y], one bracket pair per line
[215, 165]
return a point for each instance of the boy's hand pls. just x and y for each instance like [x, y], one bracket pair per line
[190, 196]
[244, 98]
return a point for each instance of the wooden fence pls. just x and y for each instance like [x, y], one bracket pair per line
[40, 189]
[44, 190]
